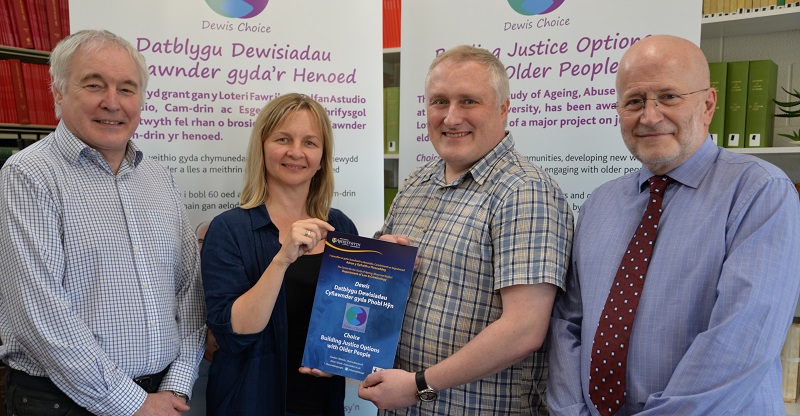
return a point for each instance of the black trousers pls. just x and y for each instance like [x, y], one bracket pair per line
[24, 401]
[27, 395]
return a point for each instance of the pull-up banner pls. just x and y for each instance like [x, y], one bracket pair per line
[214, 64]
[561, 57]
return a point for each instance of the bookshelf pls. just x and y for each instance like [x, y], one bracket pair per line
[765, 34]
[21, 135]
[786, 158]
[25, 55]
[749, 23]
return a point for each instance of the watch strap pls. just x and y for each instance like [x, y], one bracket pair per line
[181, 395]
[421, 383]
[424, 392]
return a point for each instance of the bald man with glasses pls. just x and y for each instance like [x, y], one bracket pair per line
[678, 299]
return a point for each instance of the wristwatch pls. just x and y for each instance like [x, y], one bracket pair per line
[424, 391]
[181, 395]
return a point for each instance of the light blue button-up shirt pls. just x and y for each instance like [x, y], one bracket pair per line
[99, 274]
[719, 294]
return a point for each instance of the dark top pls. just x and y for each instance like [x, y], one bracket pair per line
[249, 373]
[304, 390]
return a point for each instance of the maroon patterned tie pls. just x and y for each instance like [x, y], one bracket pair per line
[610, 348]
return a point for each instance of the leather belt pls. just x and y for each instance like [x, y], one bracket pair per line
[149, 383]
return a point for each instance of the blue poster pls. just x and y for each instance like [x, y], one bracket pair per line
[359, 305]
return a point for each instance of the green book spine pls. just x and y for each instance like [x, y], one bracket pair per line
[388, 198]
[391, 137]
[736, 103]
[6, 152]
[719, 74]
[761, 87]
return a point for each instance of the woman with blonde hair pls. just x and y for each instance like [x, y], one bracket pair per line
[260, 266]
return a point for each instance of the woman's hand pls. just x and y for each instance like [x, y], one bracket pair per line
[302, 237]
[401, 239]
[314, 372]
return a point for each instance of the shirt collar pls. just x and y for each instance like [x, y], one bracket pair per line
[692, 171]
[483, 168]
[73, 148]
[260, 217]
[480, 170]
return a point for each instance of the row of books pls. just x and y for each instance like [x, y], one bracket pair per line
[724, 7]
[391, 23]
[745, 112]
[33, 24]
[25, 96]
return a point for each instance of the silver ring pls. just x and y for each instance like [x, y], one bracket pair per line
[307, 234]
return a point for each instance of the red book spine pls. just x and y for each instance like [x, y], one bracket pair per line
[19, 15]
[64, 8]
[9, 106]
[18, 86]
[35, 22]
[8, 36]
[45, 117]
[48, 108]
[53, 22]
[30, 92]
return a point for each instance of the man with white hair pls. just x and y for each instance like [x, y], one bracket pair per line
[102, 308]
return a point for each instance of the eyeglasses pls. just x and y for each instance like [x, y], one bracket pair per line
[634, 107]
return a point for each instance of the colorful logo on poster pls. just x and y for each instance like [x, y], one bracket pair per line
[355, 318]
[534, 7]
[240, 9]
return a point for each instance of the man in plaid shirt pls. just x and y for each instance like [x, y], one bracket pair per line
[494, 234]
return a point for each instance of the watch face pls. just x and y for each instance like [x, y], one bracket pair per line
[427, 395]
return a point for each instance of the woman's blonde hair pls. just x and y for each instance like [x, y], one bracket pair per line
[256, 191]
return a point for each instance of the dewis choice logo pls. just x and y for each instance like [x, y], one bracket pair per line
[240, 9]
[534, 7]
[355, 317]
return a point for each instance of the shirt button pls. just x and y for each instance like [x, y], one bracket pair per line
[136, 249]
